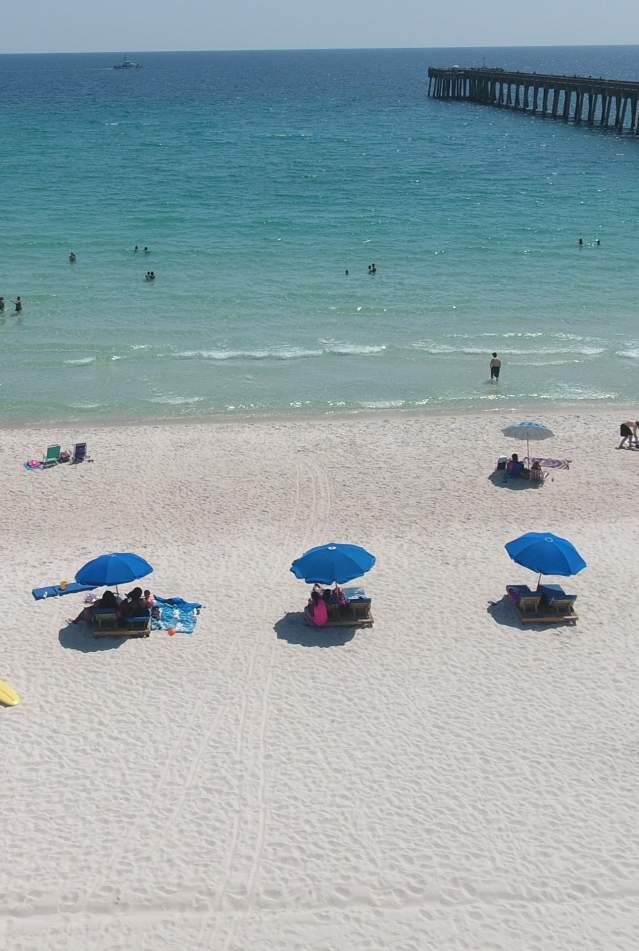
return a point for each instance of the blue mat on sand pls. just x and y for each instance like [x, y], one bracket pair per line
[175, 614]
[55, 591]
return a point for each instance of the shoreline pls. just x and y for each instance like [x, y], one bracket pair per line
[225, 419]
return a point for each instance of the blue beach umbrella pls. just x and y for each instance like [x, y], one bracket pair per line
[115, 568]
[546, 553]
[331, 563]
[531, 432]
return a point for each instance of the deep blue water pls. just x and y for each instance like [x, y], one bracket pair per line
[256, 180]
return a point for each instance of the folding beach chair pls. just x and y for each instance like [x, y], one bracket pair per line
[79, 452]
[52, 457]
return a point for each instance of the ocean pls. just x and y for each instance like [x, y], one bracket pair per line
[256, 180]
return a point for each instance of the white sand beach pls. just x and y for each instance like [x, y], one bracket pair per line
[445, 780]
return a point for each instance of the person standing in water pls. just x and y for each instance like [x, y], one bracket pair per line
[1, 305]
[18, 305]
[72, 258]
[495, 367]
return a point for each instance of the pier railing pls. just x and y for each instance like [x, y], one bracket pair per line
[580, 99]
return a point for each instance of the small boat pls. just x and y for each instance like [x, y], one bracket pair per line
[127, 64]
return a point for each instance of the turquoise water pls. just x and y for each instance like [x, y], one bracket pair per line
[257, 179]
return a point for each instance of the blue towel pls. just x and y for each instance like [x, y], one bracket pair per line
[55, 591]
[175, 614]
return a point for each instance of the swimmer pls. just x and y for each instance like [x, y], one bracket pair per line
[598, 243]
[1, 304]
[346, 272]
[580, 242]
[373, 268]
[146, 251]
[72, 258]
[149, 276]
[135, 249]
[18, 305]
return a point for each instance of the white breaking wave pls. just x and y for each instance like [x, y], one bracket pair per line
[443, 349]
[355, 350]
[80, 362]
[630, 354]
[175, 400]
[381, 404]
[282, 353]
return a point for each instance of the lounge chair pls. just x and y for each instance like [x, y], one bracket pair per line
[105, 619]
[107, 623]
[525, 600]
[56, 591]
[547, 605]
[79, 452]
[52, 457]
[556, 598]
[356, 612]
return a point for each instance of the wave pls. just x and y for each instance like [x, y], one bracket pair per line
[175, 400]
[629, 354]
[444, 349]
[355, 350]
[543, 363]
[555, 335]
[283, 353]
[381, 404]
[80, 362]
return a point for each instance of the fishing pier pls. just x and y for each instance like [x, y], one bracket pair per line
[584, 100]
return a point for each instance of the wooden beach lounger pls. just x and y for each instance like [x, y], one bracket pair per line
[547, 605]
[355, 613]
[108, 624]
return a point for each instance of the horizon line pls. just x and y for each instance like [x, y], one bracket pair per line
[320, 49]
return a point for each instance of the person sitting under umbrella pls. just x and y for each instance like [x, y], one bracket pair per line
[134, 605]
[514, 468]
[316, 611]
[108, 600]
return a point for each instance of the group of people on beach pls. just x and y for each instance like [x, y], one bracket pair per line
[17, 303]
[136, 603]
[316, 611]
